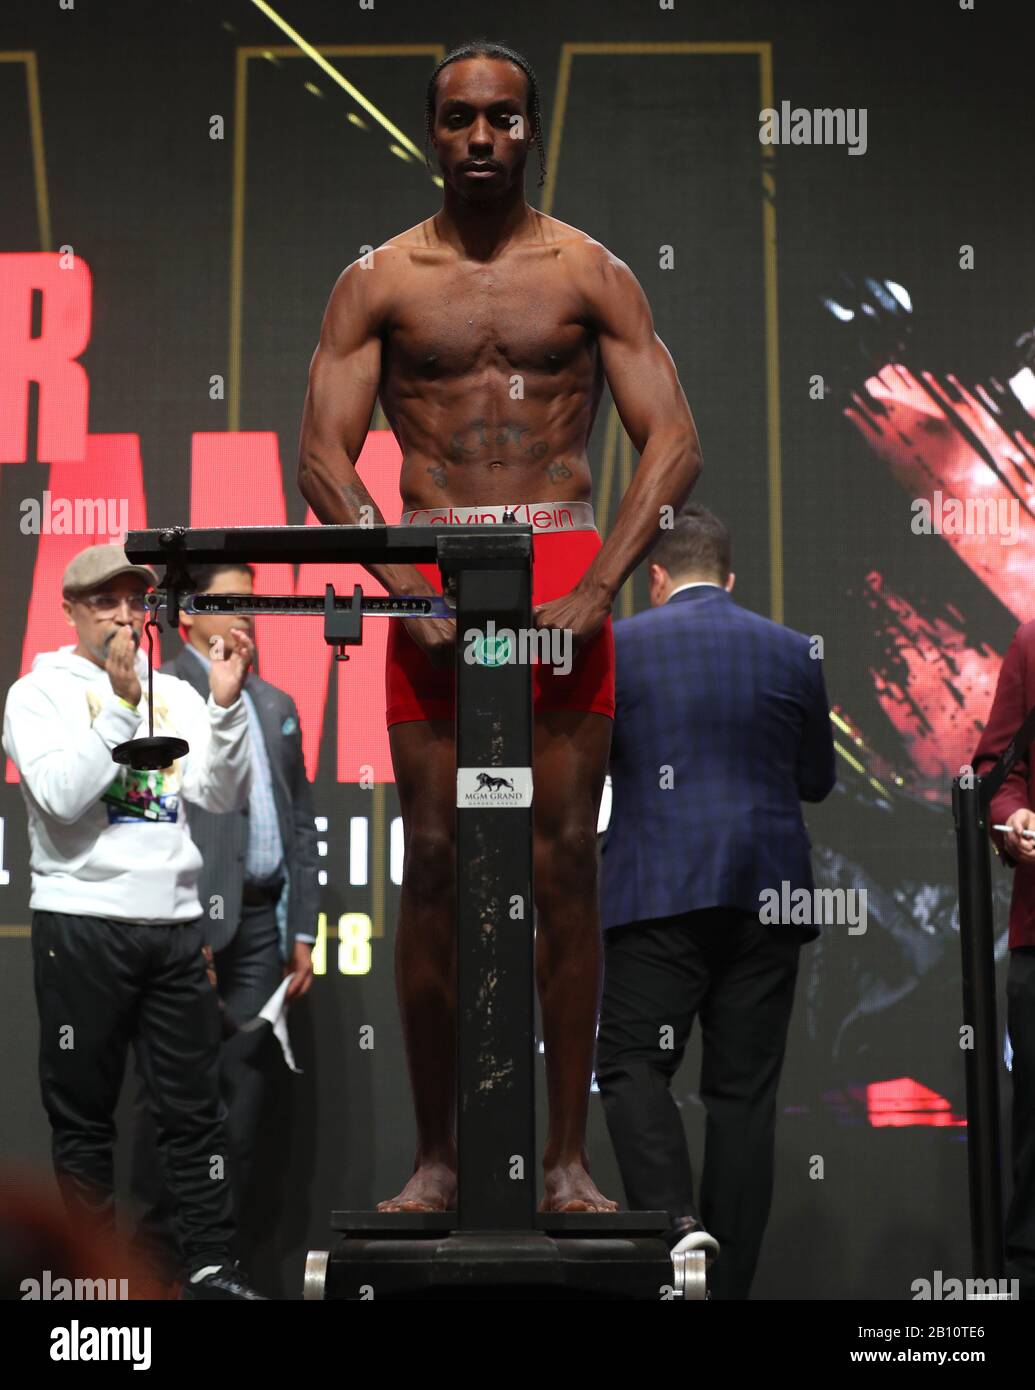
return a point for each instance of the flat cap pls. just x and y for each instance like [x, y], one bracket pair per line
[96, 565]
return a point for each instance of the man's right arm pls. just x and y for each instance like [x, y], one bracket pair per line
[344, 376]
[66, 768]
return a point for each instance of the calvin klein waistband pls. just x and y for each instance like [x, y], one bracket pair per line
[541, 516]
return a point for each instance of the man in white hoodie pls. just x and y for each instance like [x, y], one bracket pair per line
[118, 946]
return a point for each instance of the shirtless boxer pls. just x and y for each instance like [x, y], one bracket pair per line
[487, 331]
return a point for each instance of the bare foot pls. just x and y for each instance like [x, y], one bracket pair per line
[432, 1188]
[570, 1188]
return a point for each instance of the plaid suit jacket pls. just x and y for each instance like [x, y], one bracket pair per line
[223, 839]
[721, 730]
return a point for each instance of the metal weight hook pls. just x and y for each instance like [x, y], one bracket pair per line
[155, 751]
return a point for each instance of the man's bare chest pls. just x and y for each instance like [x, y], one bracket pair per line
[514, 319]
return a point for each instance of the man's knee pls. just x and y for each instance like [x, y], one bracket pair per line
[430, 865]
[621, 1078]
[566, 860]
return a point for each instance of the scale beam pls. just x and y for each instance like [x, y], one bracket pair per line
[311, 605]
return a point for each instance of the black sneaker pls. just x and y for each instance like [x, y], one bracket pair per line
[220, 1281]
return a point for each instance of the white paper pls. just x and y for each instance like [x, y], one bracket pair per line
[275, 1012]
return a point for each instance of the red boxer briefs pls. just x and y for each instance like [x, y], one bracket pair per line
[417, 690]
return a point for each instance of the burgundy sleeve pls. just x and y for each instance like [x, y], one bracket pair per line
[1008, 711]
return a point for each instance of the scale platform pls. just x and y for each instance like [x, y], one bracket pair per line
[567, 1255]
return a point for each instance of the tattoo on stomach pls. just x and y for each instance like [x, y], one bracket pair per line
[479, 435]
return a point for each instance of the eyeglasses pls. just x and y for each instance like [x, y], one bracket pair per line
[105, 605]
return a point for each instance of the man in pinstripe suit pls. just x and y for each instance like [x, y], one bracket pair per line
[258, 890]
[721, 730]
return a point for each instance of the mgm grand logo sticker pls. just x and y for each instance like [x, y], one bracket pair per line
[492, 787]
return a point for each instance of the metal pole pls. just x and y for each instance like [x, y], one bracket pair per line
[977, 943]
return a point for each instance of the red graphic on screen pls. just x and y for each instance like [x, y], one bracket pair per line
[945, 443]
[236, 480]
[908, 1102]
[935, 688]
[65, 289]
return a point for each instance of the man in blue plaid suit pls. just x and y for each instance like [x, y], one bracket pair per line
[721, 730]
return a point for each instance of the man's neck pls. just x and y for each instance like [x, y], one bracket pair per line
[481, 231]
[689, 580]
[201, 650]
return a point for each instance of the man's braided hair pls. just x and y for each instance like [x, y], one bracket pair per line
[482, 48]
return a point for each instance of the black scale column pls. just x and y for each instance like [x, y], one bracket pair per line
[498, 1164]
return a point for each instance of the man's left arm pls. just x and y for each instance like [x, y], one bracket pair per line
[303, 861]
[817, 763]
[654, 412]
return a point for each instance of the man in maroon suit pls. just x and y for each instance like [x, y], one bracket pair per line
[1012, 806]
